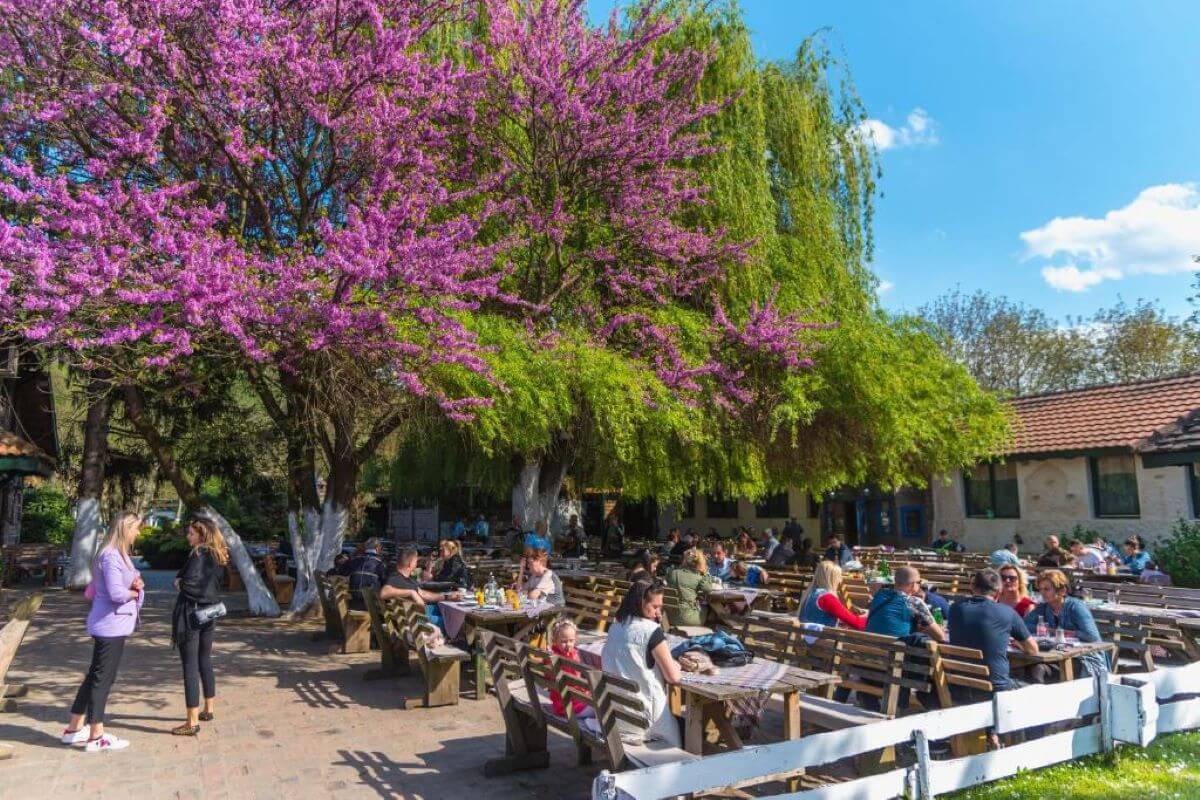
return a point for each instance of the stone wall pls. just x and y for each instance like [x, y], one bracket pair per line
[1055, 496]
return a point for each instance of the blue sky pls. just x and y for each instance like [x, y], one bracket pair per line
[1048, 151]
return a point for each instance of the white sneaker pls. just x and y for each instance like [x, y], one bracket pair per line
[75, 737]
[105, 743]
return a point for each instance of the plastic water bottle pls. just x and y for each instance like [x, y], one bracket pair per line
[1060, 636]
[1043, 630]
[490, 590]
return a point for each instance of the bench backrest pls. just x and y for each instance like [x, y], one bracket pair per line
[1130, 633]
[590, 610]
[957, 667]
[14, 631]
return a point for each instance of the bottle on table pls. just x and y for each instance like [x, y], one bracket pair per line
[1043, 630]
[1060, 636]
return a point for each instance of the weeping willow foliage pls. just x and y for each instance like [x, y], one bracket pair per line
[792, 177]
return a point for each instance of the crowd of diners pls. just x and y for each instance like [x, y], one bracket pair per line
[998, 612]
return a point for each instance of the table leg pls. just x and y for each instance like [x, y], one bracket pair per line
[693, 725]
[726, 733]
[1068, 669]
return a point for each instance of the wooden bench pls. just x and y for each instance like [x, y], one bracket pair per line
[960, 671]
[393, 644]
[590, 610]
[22, 561]
[525, 676]
[441, 664]
[350, 627]
[10, 640]
[1131, 634]
[282, 586]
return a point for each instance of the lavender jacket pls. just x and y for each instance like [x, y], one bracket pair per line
[115, 607]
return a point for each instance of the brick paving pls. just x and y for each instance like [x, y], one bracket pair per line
[292, 722]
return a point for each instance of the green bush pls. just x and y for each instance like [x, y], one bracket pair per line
[163, 548]
[1178, 555]
[47, 516]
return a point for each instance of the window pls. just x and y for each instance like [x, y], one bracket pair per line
[814, 507]
[688, 508]
[1114, 486]
[991, 491]
[721, 509]
[1193, 481]
[775, 505]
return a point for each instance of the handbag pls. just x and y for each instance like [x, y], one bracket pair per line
[206, 614]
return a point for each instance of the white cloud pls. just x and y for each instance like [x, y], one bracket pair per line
[1156, 234]
[918, 129]
[886, 286]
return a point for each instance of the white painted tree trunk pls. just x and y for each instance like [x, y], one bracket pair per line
[334, 521]
[548, 493]
[88, 530]
[305, 531]
[262, 602]
[525, 501]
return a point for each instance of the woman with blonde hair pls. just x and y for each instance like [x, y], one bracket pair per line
[1014, 590]
[197, 585]
[820, 602]
[450, 567]
[693, 583]
[117, 592]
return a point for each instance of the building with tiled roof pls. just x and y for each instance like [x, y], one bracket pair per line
[1116, 459]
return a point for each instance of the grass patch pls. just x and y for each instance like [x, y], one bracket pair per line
[1169, 768]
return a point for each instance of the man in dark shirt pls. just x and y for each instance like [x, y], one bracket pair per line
[944, 543]
[793, 533]
[837, 551]
[404, 585]
[365, 571]
[982, 623]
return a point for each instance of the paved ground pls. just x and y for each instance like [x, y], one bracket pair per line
[292, 722]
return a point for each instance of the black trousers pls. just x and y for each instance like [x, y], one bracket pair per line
[196, 653]
[92, 696]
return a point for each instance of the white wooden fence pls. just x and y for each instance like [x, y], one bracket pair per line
[1130, 709]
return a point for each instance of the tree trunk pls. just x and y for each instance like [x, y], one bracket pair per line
[549, 487]
[525, 495]
[88, 522]
[305, 529]
[261, 600]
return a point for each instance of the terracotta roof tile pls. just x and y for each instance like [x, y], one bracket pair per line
[1119, 415]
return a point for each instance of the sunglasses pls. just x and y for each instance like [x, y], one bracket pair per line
[1009, 578]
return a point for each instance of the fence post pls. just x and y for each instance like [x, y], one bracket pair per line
[921, 744]
[1106, 720]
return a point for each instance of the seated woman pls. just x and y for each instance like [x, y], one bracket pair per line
[645, 566]
[745, 547]
[693, 583]
[820, 603]
[749, 574]
[450, 568]
[636, 649]
[1069, 613]
[1014, 590]
[540, 583]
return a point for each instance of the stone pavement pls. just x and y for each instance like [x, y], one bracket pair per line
[292, 722]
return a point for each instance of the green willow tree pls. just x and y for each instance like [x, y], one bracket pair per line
[791, 178]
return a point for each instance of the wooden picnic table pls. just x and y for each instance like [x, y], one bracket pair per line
[1185, 619]
[709, 699]
[514, 623]
[1063, 658]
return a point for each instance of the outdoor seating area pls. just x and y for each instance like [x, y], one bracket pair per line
[804, 680]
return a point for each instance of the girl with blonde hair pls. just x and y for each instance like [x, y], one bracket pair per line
[197, 585]
[693, 584]
[117, 592]
[820, 603]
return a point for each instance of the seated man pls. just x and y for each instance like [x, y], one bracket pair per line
[720, 564]
[1005, 555]
[837, 551]
[404, 586]
[899, 610]
[982, 623]
[1088, 558]
[945, 544]
[365, 570]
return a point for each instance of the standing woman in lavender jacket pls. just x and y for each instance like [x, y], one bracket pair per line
[116, 592]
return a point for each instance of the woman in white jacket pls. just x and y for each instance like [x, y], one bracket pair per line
[637, 649]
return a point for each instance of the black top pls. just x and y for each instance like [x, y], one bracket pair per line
[399, 581]
[986, 625]
[197, 587]
[454, 570]
[656, 638]
[364, 572]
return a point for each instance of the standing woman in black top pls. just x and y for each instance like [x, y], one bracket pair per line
[197, 584]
